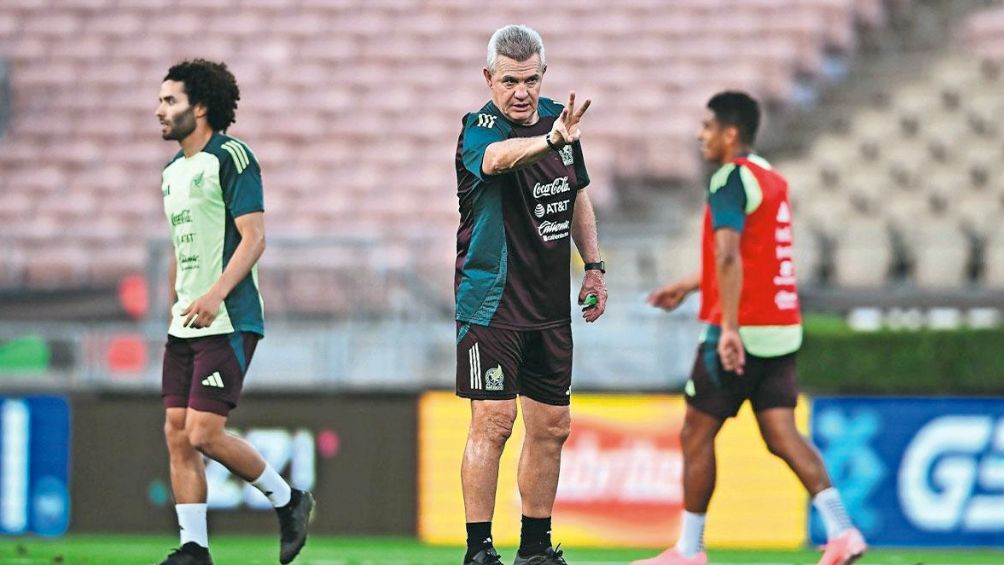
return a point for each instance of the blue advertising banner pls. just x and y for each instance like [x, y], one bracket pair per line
[915, 471]
[34, 465]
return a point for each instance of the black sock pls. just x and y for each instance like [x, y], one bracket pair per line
[479, 536]
[535, 536]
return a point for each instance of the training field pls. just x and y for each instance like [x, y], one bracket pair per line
[247, 550]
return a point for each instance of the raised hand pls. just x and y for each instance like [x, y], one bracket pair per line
[566, 128]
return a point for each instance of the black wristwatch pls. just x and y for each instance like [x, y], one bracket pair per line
[600, 266]
[553, 146]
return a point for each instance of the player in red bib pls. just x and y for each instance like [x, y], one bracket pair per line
[749, 305]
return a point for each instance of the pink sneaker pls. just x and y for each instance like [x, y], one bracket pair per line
[844, 549]
[673, 557]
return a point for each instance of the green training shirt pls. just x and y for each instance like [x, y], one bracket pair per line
[202, 196]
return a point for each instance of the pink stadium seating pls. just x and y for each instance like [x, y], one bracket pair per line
[354, 107]
[985, 33]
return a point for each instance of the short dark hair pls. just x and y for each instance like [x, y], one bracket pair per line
[738, 109]
[212, 85]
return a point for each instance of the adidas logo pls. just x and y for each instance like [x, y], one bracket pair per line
[486, 121]
[213, 380]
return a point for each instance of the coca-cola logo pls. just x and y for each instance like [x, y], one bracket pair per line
[557, 186]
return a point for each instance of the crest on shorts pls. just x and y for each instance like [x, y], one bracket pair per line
[567, 157]
[494, 379]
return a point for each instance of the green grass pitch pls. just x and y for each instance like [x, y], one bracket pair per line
[251, 550]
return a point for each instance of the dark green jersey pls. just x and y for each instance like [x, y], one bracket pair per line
[513, 244]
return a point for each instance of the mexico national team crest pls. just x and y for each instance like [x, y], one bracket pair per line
[494, 379]
[196, 187]
[567, 157]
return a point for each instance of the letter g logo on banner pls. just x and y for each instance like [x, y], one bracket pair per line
[945, 465]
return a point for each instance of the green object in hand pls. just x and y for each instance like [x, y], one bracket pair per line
[590, 301]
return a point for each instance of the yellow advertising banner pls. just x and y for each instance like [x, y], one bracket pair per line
[620, 479]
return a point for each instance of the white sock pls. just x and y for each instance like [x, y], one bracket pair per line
[192, 521]
[272, 485]
[691, 534]
[835, 518]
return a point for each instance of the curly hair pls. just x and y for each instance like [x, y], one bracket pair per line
[212, 85]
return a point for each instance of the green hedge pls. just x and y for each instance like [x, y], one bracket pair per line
[835, 359]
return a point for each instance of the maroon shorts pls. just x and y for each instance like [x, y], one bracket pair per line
[498, 364]
[206, 373]
[768, 382]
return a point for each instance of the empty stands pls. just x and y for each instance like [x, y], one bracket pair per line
[915, 172]
[353, 107]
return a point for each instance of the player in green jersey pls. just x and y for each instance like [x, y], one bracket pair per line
[213, 202]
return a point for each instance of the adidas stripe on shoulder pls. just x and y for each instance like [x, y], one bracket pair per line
[486, 121]
[239, 153]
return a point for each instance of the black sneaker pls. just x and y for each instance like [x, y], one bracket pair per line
[293, 519]
[189, 554]
[551, 556]
[487, 556]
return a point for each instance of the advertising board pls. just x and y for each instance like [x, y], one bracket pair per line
[353, 451]
[620, 482]
[916, 471]
[34, 464]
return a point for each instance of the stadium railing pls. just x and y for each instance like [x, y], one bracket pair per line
[342, 314]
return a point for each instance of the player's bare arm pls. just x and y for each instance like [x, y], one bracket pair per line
[670, 296]
[586, 241]
[203, 310]
[512, 154]
[729, 266]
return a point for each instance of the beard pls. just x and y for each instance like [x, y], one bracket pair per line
[182, 126]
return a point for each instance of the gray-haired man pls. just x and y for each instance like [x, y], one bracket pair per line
[520, 181]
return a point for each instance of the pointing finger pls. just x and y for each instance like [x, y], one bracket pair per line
[585, 106]
[571, 102]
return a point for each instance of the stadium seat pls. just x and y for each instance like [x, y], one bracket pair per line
[809, 252]
[940, 252]
[904, 210]
[307, 73]
[862, 253]
[993, 261]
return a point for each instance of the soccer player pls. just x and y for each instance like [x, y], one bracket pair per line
[213, 201]
[520, 180]
[749, 304]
